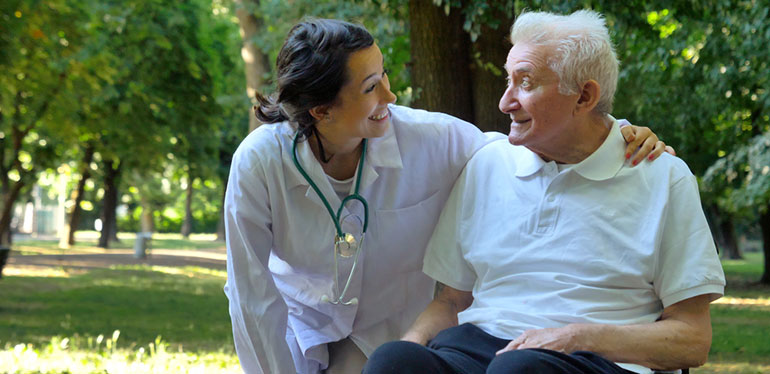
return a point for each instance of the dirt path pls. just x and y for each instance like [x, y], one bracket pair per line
[210, 258]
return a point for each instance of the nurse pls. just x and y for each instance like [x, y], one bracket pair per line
[315, 285]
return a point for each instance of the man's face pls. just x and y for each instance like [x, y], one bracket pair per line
[539, 113]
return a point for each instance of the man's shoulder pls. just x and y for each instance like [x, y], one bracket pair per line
[674, 168]
[498, 151]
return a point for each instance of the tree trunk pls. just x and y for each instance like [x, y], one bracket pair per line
[85, 173]
[440, 63]
[9, 200]
[187, 223]
[723, 229]
[221, 222]
[110, 203]
[730, 247]
[764, 221]
[256, 62]
[488, 77]
[146, 220]
[114, 229]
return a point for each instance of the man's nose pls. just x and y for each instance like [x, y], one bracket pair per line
[509, 102]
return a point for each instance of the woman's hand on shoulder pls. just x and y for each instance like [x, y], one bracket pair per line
[642, 143]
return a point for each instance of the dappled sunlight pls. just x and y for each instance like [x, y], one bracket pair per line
[43, 272]
[732, 368]
[728, 300]
[94, 235]
[105, 354]
[188, 271]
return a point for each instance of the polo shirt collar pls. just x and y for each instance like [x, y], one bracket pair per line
[528, 162]
[607, 160]
[602, 164]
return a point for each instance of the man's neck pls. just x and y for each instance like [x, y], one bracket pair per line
[585, 137]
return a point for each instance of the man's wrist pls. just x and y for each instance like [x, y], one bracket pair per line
[589, 336]
[415, 337]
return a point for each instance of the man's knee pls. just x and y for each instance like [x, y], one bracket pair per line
[521, 361]
[399, 357]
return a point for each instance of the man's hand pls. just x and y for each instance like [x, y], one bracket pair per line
[565, 339]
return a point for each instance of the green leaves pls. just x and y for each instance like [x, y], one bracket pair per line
[740, 182]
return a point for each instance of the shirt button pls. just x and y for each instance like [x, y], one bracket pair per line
[551, 199]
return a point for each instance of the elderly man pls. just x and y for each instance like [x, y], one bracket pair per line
[557, 257]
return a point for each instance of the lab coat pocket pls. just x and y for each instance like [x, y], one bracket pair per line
[403, 234]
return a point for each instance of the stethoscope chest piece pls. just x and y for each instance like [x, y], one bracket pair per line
[345, 246]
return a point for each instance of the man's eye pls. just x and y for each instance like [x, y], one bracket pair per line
[526, 83]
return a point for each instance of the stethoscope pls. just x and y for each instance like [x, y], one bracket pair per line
[344, 243]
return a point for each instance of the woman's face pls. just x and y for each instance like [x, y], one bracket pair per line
[361, 107]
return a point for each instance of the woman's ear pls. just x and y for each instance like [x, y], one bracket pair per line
[320, 112]
[589, 97]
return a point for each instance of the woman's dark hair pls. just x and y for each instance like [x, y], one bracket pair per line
[312, 68]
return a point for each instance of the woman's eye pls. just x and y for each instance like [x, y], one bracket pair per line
[371, 88]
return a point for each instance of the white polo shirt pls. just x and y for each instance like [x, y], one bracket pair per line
[598, 242]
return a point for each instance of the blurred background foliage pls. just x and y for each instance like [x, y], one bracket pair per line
[132, 109]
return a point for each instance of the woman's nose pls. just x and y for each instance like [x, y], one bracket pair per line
[388, 97]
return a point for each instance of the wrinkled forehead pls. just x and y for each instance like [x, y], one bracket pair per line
[525, 56]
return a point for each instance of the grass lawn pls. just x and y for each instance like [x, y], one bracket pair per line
[131, 319]
[741, 321]
[175, 320]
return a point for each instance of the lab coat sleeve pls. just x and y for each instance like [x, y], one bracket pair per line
[258, 312]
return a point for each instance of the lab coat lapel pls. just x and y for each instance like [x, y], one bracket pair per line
[381, 152]
[314, 171]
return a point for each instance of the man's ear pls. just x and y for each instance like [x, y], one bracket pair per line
[320, 112]
[589, 97]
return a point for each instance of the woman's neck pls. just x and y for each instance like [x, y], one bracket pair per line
[341, 156]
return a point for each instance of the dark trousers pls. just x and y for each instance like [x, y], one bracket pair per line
[466, 349]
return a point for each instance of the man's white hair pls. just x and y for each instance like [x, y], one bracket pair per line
[581, 50]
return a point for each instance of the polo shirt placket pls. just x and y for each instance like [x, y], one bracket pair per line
[548, 209]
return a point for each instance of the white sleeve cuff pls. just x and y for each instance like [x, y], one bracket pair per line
[715, 289]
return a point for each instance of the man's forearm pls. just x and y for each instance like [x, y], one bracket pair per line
[680, 339]
[671, 343]
[440, 314]
[436, 317]
[665, 345]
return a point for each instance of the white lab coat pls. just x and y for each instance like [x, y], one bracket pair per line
[280, 240]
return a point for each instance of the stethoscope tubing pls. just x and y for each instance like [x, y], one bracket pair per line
[354, 196]
[337, 225]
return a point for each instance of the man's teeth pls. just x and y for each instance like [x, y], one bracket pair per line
[379, 117]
